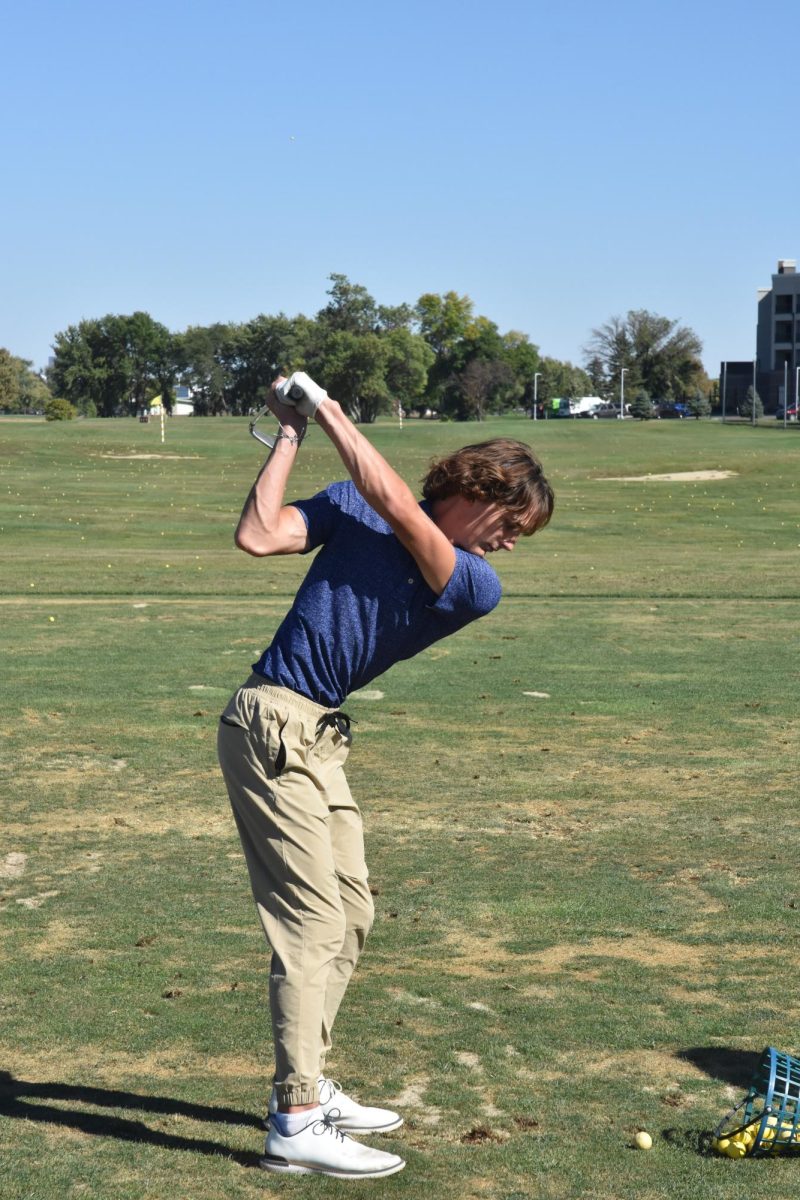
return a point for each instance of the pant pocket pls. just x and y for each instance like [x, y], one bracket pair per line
[262, 731]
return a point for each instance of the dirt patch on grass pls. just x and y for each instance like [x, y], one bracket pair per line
[670, 477]
[59, 937]
[477, 957]
[13, 865]
[148, 456]
[647, 950]
[683, 995]
[412, 1096]
[111, 1066]
[466, 1058]
[658, 1068]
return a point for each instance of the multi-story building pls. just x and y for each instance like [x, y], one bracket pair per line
[778, 335]
[777, 344]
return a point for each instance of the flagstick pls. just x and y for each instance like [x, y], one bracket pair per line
[162, 422]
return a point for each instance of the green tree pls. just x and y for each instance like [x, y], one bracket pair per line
[22, 390]
[484, 385]
[562, 379]
[352, 367]
[33, 391]
[152, 369]
[485, 381]
[366, 354]
[204, 356]
[524, 360]
[262, 349]
[642, 406]
[114, 364]
[443, 320]
[351, 308]
[657, 353]
[699, 404]
[57, 409]
[751, 407]
[443, 323]
[396, 316]
[88, 366]
[9, 382]
[600, 385]
[409, 358]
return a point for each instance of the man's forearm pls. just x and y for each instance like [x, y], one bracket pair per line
[376, 480]
[262, 530]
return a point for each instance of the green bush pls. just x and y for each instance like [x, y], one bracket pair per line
[59, 410]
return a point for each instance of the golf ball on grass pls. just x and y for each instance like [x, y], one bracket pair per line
[643, 1140]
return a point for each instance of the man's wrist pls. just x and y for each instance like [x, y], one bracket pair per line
[327, 412]
[293, 436]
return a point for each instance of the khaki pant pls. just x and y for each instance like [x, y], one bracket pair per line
[282, 758]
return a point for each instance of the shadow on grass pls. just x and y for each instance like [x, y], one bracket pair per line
[736, 1067]
[16, 1094]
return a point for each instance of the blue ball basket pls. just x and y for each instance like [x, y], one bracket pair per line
[771, 1109]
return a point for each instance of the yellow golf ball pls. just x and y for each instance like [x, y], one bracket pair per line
[736, 1149]
[643, 1140]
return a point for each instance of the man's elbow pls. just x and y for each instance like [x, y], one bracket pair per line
[257, 547]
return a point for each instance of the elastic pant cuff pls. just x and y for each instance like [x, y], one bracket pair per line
[296, 1094]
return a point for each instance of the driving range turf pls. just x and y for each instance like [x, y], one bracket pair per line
[581, 823]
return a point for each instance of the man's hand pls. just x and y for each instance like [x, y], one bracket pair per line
[288, 414]
[300, 392]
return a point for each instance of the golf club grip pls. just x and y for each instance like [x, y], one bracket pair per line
[296, 392]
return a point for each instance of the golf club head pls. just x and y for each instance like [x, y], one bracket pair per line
[266, 439]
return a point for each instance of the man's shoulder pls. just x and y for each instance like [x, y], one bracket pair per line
[472, 589]
[346, 497]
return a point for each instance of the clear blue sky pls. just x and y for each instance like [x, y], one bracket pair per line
[559, 163]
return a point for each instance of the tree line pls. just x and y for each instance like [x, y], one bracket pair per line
[436, 355]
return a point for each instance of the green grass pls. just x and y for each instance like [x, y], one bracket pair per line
[587, 908]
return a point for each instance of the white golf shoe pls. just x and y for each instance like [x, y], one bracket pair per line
[322, 1149]
[347, 1114]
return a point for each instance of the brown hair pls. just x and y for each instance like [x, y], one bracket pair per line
[502, 470]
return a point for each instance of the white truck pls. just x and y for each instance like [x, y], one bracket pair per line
[585, 404]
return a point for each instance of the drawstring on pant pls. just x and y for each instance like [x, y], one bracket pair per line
[339, 721]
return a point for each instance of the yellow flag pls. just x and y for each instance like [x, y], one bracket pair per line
[154, 403]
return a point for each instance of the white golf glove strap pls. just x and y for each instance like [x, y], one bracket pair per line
[300, 391]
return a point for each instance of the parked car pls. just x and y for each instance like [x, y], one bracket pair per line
[609, 410]
[673, 409]
[790, 413]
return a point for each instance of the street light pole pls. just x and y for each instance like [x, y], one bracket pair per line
[724, 388]
[536, 379]
[754, 392]
[622, 391]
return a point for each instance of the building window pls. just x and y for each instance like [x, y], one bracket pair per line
[783, 331]
[783, 304]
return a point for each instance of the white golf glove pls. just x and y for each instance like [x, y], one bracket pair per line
[300, 391]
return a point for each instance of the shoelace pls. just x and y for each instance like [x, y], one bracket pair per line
[326, 1125]
[334, 1088]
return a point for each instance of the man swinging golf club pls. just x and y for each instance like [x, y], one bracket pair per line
[392, 576]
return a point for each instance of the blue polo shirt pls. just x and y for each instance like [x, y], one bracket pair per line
[363, 604]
